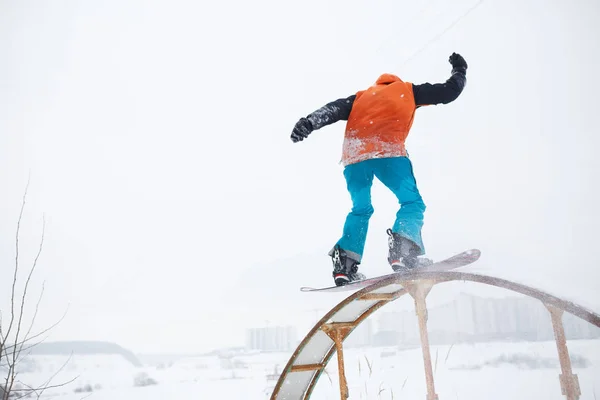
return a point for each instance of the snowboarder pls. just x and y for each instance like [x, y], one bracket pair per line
[378, 122]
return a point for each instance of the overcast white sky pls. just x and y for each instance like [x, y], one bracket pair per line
[157, 139]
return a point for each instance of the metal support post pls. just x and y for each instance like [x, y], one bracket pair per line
[569, 383]
[419, 291]
[338, 332]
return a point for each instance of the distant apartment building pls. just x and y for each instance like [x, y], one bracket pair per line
[472, 318]
[272, 338]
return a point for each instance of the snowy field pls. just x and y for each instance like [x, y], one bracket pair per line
[524, 370]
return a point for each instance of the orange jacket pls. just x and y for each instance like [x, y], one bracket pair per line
[380, 121]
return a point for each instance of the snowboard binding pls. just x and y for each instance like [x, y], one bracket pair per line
[403, 253]
[345, 268]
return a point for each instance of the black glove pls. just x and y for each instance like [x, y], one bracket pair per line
[302, 129]
[458, 63]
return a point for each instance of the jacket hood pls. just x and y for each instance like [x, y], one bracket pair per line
[386, 79]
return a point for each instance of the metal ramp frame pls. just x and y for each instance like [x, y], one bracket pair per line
[312, 355]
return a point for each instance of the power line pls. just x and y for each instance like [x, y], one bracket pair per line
[438, 36]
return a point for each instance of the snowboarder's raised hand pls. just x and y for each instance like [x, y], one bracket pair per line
[458, 63]
[302, 129]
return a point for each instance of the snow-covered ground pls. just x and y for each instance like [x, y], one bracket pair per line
[523, 370]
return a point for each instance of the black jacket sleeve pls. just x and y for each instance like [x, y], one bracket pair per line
[331, 112]
[440, 93]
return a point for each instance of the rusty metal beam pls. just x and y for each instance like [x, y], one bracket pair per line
[419, 291]
[381, 296]
[337, 325]
[338, 332]
[306, 367]
[569, 383]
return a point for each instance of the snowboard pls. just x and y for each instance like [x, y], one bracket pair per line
[456, 261]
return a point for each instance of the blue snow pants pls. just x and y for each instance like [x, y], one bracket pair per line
[396, 173]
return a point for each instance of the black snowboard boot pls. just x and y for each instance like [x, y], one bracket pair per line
[403, 252]
[345, 268]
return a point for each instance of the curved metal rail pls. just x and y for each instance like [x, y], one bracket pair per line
[310, 358]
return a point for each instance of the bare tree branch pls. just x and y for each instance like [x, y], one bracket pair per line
[2, 340]
[46, 384]
[35, 261]
[39, 333]
[29, 388]
[37, 307]
[14, 282]
[14, 354]
[35, 390]
[19, 325]
[10, 376]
